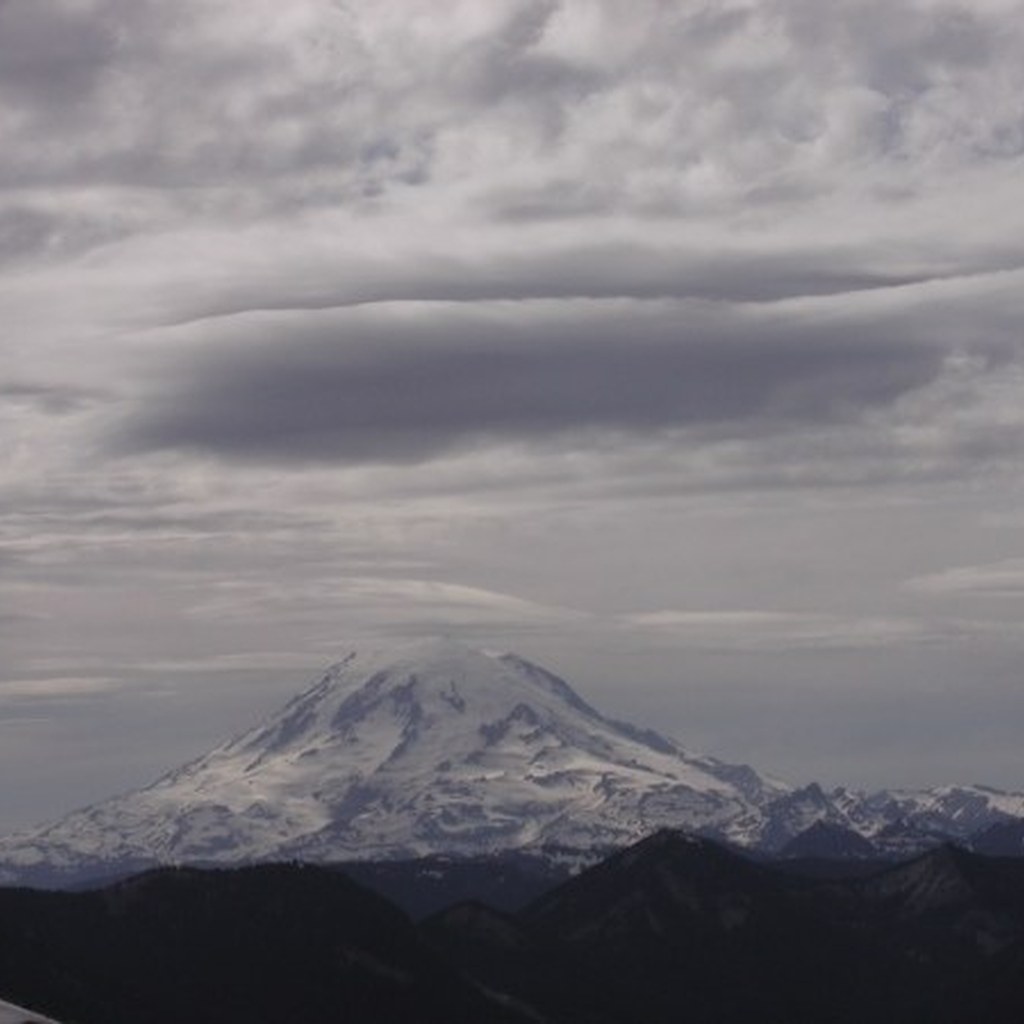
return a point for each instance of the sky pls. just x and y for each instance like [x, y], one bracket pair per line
[674, 345]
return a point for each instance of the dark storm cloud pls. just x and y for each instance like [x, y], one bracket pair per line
[451, 381]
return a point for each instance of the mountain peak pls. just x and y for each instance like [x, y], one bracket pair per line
[439, 652]
[440, 667]
[468, 749]
[424, 686]
[411, 749]
[434, 747]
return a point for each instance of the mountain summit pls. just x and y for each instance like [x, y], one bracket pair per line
[429, 747]
[434, 748]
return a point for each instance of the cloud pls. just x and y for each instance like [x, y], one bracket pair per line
[324, 318]
[51, 399]
[420, 383]
[552, 270]
[57, 688]
[12, 622]
[215, 664]
[1003, 579]
[52, 55]
[520, 109]
[381, 604]
[774, 631]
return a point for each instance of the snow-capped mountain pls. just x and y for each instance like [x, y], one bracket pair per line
[433, 748]
[896, 823]
[427, 748]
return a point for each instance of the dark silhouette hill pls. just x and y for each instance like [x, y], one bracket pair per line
[261, 945]
[674, 929]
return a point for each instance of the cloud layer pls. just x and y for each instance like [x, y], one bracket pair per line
[398, 388]
[682, 349]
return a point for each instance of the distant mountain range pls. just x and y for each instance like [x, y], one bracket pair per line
[435, 749]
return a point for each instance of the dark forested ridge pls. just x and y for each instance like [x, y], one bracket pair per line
[677, 929]
[672, 929]
[260, 945]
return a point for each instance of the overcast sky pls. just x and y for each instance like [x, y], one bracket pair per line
[675, 345]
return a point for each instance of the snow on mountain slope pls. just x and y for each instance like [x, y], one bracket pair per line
[11, 1014]
[960, 809]
[896, 822]
[433, 748]
[427, 748]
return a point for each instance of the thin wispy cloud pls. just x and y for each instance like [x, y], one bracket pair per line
[767, 631]
[1003, 579]
[56, 688]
